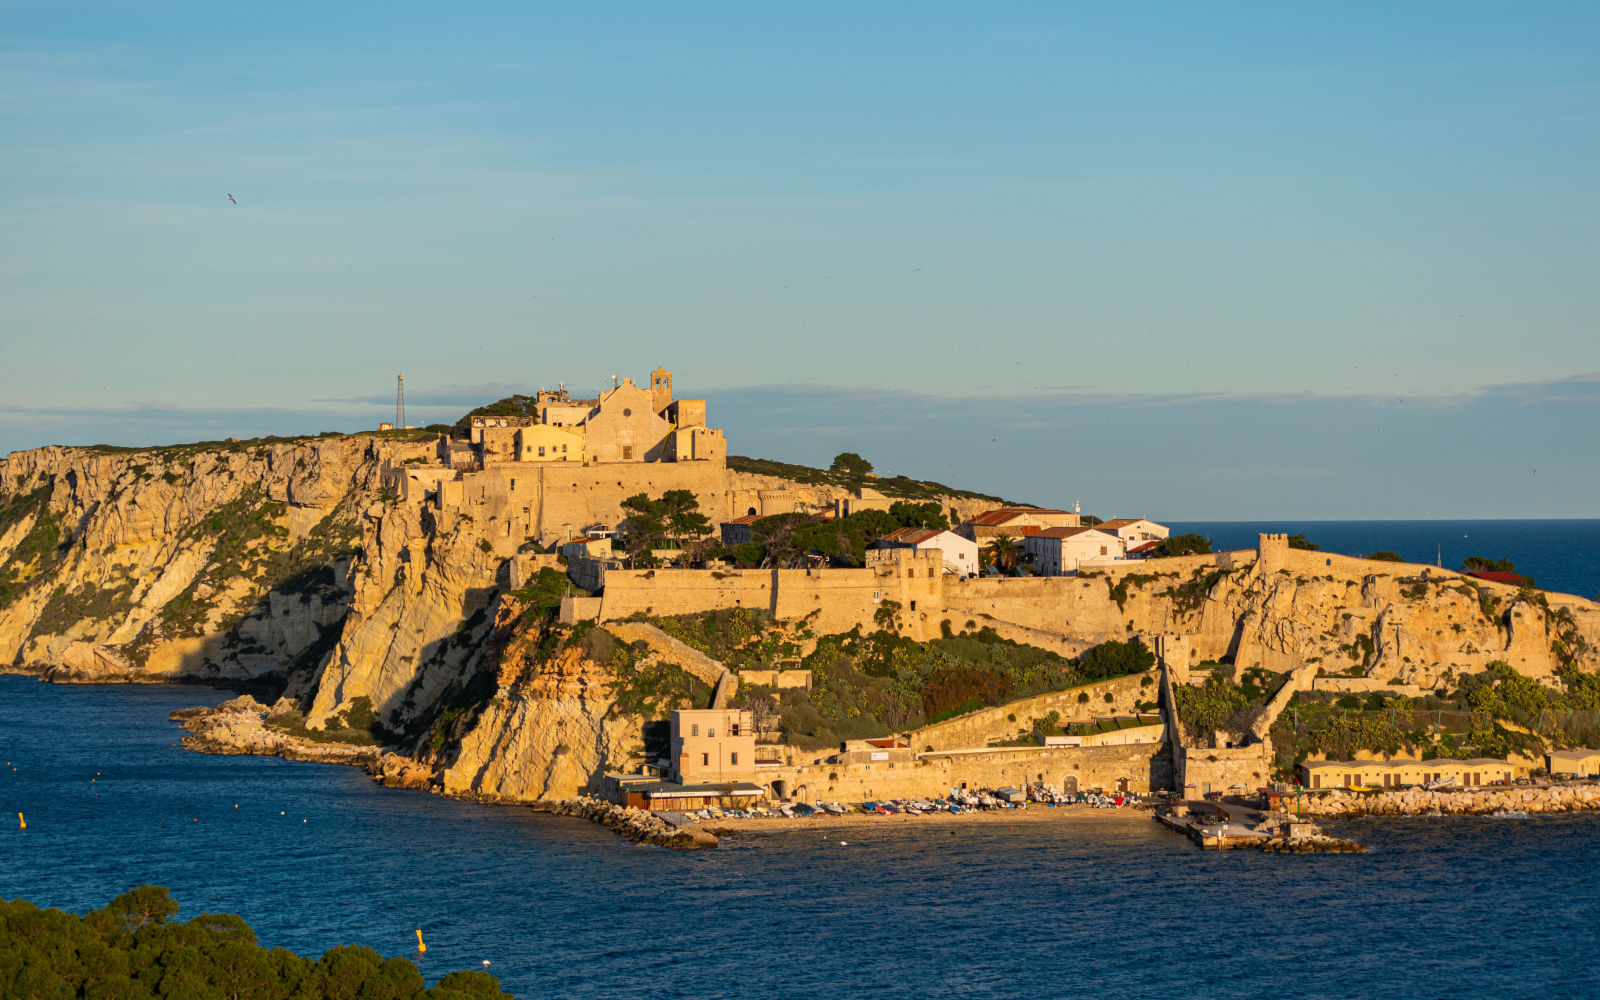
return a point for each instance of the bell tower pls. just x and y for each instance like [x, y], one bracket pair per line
[661, 389]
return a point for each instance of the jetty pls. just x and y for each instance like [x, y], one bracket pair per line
[1214, 826]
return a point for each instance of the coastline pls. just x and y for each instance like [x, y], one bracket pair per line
[1035, 813]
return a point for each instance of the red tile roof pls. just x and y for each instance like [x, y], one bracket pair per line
[993, 517]
[747, 519]
[1495, 576]
[913, 536]
[1059, 532]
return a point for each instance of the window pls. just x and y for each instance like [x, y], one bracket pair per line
[694, 730]
[627, 413]
[733, 759]
[541, 451]
[710, 732]
[733, 729]
[563, 449]
[705, 760]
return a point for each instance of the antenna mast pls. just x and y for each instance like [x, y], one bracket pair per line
[400, 405]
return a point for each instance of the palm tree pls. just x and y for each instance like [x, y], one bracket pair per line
[1006, 551]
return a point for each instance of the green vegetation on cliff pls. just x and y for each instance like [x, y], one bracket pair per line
[38, 548]
[870, 684]
[853, 477]
[131, 950]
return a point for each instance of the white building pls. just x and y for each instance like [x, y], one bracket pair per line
[1059, 551]
[960, 554]
[1134, 530]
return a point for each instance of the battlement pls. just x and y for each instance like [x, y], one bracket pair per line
[1275, 542]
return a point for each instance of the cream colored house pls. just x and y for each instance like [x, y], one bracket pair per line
[1134, 530]
[712, 745]
[1014, 522]
[865, 499]
[543, 443]
[1583, 763]
[1060, 551]
[1402, 771]
[960, 554]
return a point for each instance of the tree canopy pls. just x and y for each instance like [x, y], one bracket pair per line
[1299, 542]
[1115, 659]
[1480, 564]
[131, 950]
[851, 463]
[674, 518]
[1383, 555]
[1192, 544]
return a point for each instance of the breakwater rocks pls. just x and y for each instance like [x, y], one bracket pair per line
[1317, 844]
[1483, 801]
[637, 825]
[241, 726]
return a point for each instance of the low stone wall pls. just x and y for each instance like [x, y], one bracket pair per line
[1144, 766]
[1481, 801]
[637, 825]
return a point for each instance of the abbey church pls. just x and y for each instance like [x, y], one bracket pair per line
[626, 424]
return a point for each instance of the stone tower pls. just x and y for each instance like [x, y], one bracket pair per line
[661, 389]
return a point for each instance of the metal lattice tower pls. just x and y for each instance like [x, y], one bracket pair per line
[400, 405]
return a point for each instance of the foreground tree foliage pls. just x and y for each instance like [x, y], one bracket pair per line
[130, 951]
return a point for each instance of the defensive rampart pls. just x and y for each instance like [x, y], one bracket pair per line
[1132, 768]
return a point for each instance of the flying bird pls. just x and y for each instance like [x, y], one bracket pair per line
[230, 198]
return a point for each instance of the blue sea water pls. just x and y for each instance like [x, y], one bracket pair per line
[316, 855]
[1561, 555]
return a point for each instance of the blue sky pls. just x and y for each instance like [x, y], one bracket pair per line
[1168, 259]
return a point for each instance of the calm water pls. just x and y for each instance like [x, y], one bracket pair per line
[315, 855]
[1562, 556]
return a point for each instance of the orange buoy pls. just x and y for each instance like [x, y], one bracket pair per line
[22, 821]
[420, 946]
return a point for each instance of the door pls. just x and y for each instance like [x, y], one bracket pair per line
[1069, 784]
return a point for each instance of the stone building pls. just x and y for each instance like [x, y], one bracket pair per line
[712, 745]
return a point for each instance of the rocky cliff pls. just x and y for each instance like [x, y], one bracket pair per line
[227, 562]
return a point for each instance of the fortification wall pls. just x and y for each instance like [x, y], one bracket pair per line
[977, 729]
[1202, 770]
[1144, 767]
[685, 591]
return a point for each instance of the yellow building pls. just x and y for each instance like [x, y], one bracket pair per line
[1583, 763]
[544, 443]
[1402, 771]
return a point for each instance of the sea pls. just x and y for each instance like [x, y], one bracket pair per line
[1562, 556]
[314, 855]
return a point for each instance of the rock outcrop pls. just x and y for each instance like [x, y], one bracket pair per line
[637, 825]
[240, 726]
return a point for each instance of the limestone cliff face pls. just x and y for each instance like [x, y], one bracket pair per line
[550, 731]
[1379, 622]
[226, 562]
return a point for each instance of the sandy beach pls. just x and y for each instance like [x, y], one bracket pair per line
[726, 826]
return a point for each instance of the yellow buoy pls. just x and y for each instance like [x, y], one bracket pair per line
[22, 821]
[420, 946]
